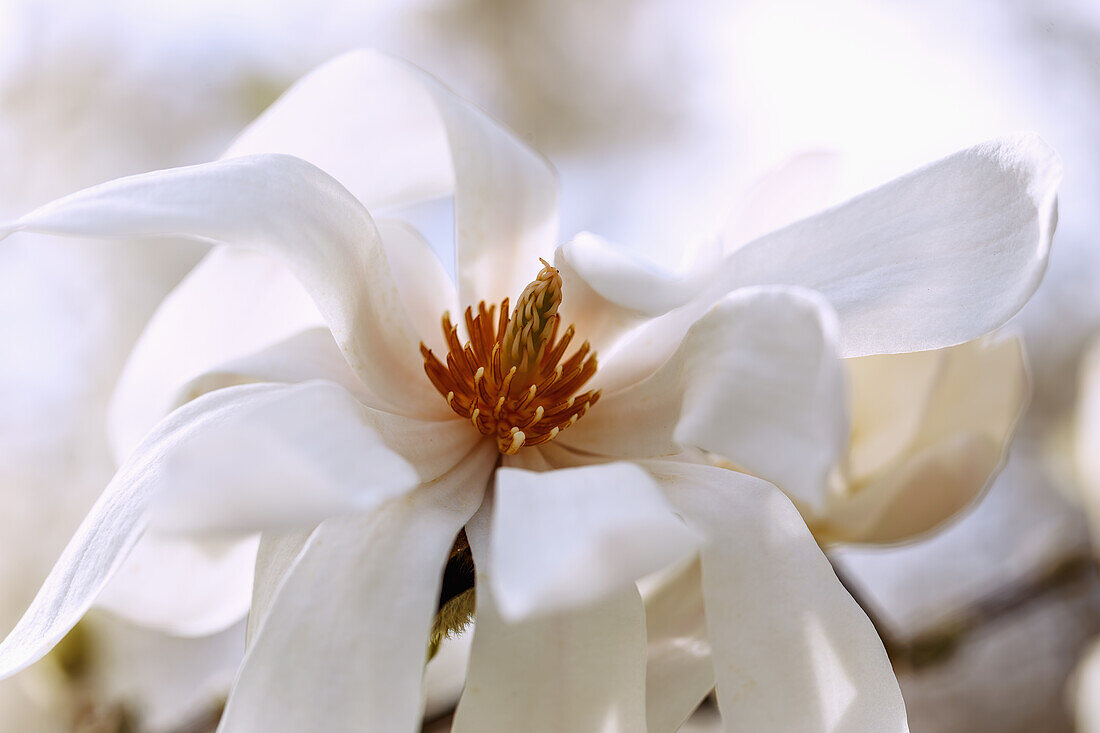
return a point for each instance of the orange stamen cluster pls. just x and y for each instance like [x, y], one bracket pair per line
[509, 380]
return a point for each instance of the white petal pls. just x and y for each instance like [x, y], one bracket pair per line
[344, 642]
[426, 288]
[309, 354]
[235, 303]
[374, 123]
[679, 669]
[937, 257]
[365, 120]
[237, 299]
[610, 291]
[581, 670]
[756, 381]
[431, 447]
[916, 497]
[597, 320]
[568, 537]
[940, 256]
[445, 675]
[183, 586]
[506, 204]
[292, 211]
[889, 394]
[792, 649]
[982, 387]
[153, 473]
[625, 279]
[277, 553]
[287, 456]
[941, 457]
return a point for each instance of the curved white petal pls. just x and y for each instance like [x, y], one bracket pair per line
[287, 456]
[392, 133]
[241, 317]
[506, 204]
[630, 290]
[365, 120]
[431, 447]
[183, 586]
[940, 256]
[445, 675]
[426, 288]
[940, 455]
[137, 495]
[792, 649]
[597, 320]
[916, 497]
[277, 553]
[344, 641]
[286, 208]
[679, 669]
[235, 303]
[756, 381]
[580, 670]
[982, 388]
[626, 279]
[309, 354]
[889, 394]
[566, 538]
[937, 257]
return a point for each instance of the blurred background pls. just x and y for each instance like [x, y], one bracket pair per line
[657, 114]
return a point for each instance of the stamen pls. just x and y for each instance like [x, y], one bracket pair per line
[509, 379]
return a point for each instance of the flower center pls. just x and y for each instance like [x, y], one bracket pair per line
[509, 379]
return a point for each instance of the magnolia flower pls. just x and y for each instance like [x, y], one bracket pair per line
[455, 442]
